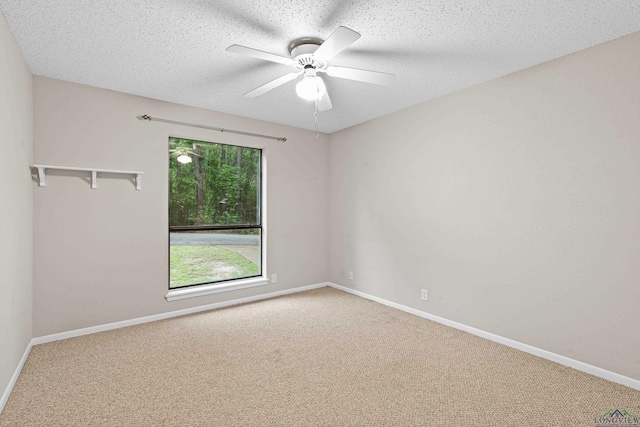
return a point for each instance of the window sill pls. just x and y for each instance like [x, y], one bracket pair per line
[197, 291]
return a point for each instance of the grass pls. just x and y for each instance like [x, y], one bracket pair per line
[194, 264]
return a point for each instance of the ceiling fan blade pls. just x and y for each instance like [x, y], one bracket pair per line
[271, 85]
[366, 76]
[255, 53]
[339, 40]
[324, 103]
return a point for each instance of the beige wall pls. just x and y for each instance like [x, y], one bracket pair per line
[516, 203]
[16, 205]
[101, 255]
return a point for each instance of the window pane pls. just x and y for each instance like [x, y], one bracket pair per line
[214, 212]
[210, 256]
[213, 184]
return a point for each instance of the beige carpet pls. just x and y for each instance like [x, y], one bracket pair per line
[318, 358]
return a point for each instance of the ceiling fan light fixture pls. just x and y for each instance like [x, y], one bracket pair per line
[311, 87]
[184, 159]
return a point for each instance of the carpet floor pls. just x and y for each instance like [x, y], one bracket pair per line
[316, 358]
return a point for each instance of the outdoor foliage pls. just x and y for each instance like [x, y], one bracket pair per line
[219, 187]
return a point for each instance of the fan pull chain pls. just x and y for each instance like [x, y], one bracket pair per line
[315, 119]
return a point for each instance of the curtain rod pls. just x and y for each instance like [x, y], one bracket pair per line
[194, 125]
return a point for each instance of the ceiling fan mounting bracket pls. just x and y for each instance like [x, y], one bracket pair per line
[304, 41]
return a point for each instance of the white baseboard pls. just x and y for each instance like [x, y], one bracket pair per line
[116, 325]
[14, 377]
[566, 361]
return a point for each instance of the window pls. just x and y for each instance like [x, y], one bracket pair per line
[215, 219]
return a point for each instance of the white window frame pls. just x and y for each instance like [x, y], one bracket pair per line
[233, 284]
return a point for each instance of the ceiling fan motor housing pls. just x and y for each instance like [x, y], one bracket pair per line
[302, 50]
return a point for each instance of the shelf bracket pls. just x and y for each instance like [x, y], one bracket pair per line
[41, 176]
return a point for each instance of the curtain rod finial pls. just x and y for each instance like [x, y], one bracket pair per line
[144, 117]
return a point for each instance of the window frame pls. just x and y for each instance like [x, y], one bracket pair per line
[206, 288]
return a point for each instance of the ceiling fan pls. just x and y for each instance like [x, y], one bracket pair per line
[310, 56]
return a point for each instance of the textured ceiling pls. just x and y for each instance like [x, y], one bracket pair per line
[174, 50]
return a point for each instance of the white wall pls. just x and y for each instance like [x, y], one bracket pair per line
[516, 203]
[16, 205]
[101, 255]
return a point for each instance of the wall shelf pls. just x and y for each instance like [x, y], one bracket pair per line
[94, 174]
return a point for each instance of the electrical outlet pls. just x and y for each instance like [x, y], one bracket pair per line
[351, 275]
[425, 295]
[274, 278]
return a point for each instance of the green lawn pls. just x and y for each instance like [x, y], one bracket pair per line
[195, 264]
